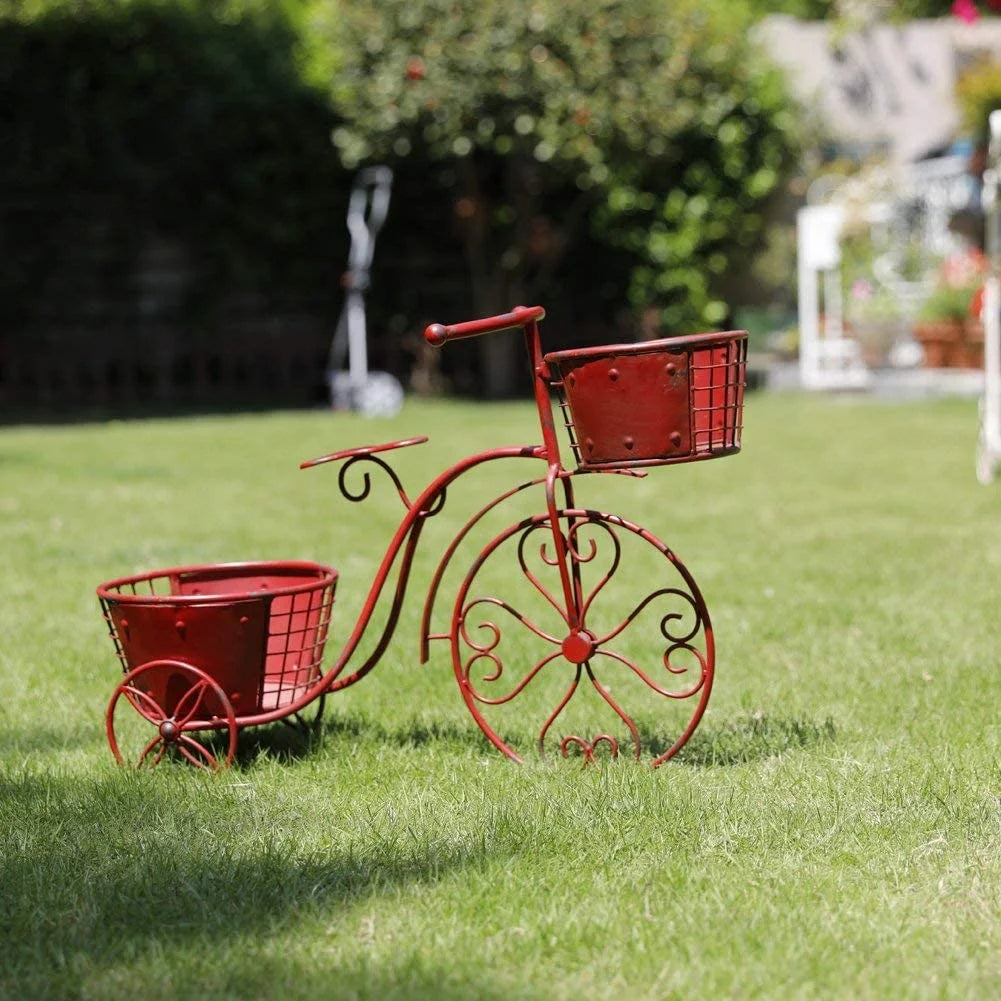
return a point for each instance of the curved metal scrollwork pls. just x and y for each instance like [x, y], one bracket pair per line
[624, 636]
[358, 494]
[587, 748]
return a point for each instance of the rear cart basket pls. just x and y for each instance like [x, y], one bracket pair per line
[216, 647]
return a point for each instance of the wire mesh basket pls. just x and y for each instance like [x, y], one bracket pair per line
[677, 399]
[257, 629]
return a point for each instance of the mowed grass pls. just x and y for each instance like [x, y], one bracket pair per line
[831, 830]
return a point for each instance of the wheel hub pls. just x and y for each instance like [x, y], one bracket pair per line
[578, 646]
[169, 730]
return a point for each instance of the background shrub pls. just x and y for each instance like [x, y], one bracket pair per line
[650, 133]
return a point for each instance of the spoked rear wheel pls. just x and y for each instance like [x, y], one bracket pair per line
[623, 669]
[157, 710]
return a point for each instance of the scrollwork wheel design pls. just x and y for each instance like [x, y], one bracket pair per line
[176, 700]
[612, 659]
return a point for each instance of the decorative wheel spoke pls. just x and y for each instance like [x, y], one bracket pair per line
[551, 718]
[158, 743]
[514, 638]
[190, 702]
[185, 747]
[587, 748]
[143, 704]
[626, 719]
[176, 699]
[659, 689]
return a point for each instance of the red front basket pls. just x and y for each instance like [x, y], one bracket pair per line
[653, 402]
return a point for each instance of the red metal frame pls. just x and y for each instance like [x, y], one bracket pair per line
[625, 407]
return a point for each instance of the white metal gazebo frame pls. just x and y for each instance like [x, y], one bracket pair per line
[829, 357]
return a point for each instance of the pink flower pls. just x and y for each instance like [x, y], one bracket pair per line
[861, 289]
[964, 269]
[965, 10]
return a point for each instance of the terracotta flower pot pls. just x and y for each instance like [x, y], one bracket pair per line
[942, 341]
[973, 344]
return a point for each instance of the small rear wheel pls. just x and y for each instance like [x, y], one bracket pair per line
[159, 706]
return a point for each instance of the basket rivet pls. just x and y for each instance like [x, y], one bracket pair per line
[676, 439]
[180, 627]
[244, 619]
[671, 368]
[589, 444]
[571, 379]
[613, 374]
[628, 441]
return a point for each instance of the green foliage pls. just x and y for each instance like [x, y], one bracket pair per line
[806, 10]
[650, 129]
[979, 93]
[185, 118]
[945, 303]
[960, 278]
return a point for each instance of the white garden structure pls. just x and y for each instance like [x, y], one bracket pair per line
[989, 439]
[915, 203]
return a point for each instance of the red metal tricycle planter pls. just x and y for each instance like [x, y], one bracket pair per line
[217, 648]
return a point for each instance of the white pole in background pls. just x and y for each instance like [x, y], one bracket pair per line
[989, 444]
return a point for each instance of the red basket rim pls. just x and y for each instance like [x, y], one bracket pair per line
[645, 347]
[325, 575]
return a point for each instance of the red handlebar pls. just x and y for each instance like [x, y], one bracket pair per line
[438, 333]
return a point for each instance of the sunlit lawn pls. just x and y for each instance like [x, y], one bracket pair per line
[832, 830]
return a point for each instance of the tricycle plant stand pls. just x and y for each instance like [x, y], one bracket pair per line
[565, 635]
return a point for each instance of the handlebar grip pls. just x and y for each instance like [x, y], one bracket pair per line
[438, 333]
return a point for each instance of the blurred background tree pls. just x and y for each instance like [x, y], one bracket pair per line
[615, 160]
[188, 117]
[647, 136]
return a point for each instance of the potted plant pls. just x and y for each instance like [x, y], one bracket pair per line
[875, 319]
[946, 326]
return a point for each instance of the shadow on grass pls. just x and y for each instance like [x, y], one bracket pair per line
[753, 737]
[741, 740]
[282, 743]
[107, 874]
[412, 733]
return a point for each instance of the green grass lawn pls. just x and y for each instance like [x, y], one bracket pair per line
[831, 830]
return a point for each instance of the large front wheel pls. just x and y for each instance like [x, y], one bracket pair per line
[611, 657]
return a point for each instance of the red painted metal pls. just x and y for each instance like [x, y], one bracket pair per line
[655, 402]
[521, 316]
[351, 453]
[219, 648]
[247, 637]
[682, 653]
[177, 700]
